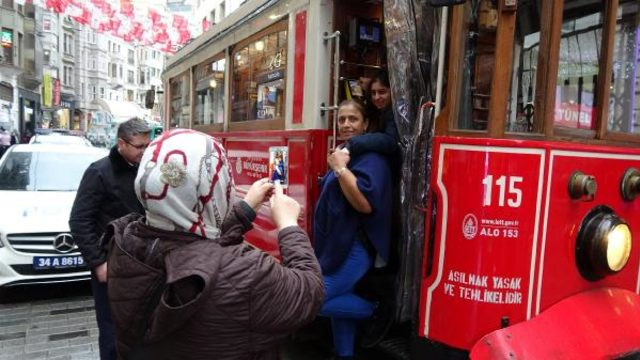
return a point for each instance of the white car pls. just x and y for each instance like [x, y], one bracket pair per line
[38, 184]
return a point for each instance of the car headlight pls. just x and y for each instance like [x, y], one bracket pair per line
[604, 243]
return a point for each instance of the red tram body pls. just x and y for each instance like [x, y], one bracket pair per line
[531, 226]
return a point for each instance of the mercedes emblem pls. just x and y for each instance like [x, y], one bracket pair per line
[63, 243]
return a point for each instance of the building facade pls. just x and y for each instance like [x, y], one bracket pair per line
[20, 77]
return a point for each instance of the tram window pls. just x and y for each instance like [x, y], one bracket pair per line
[259, 70]
[520, 115]
[480, 23]
[578, 67]
[624, 99]
[180, 107]
[209, 85]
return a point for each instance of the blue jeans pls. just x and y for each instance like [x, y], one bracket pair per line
[341, 304]
[106, 335]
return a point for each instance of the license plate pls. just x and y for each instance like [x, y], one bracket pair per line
[57, 262]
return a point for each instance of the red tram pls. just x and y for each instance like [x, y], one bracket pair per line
[523, 173]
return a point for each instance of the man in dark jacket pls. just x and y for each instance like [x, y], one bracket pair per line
[105, 194]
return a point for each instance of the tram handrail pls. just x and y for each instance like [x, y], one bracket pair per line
[441, 59]
[336, 80]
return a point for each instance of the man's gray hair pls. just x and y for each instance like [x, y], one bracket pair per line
[133, 127]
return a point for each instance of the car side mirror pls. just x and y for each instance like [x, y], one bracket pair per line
[150, 98]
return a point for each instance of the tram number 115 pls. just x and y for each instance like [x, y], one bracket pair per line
[515, 194]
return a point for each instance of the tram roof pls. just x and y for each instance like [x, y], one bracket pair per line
[245, 13]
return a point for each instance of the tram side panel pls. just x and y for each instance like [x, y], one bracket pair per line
[488, 199]
[248, 153]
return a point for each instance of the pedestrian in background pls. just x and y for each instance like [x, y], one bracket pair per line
[182, 282]
[106, 193]
[5, 140]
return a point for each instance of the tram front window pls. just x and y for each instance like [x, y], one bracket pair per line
[578, 69]
[480, 24]
[259, 68]
[624, 99]
[520, 115]
[180, 111]
[209, 88]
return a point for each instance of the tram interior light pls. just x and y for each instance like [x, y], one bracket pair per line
[213, 83]
[603, 245]
[259, 45]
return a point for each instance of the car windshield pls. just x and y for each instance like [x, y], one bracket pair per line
[44, 171]
[59, 139]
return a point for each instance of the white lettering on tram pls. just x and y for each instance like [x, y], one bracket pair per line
[479, 288]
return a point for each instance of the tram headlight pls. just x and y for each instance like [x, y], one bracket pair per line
[603, 245]
[618, 247]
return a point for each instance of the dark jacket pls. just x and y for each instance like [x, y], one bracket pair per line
[187, 297]
[106, 192]
[336, 224]
[384, 142]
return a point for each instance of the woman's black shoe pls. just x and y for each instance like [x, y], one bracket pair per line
[378, 325]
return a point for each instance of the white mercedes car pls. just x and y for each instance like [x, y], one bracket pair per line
[38, 184]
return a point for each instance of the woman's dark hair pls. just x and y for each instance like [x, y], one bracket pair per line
[382, 77]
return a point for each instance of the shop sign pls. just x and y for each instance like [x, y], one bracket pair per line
[66, 103]
[46, 93]
[6, 38]
[270, 76]
[56, 92]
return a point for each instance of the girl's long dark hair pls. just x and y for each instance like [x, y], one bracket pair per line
[376, 121]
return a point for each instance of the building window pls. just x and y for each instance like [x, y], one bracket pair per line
[46, 24]
[120, 71]
[213, 16]
[209, 91]
[114, 71]
[102, 93]
[67, 77]
[142, 82]
[6, 46]
[222, 10]
[130, 58]
[7, 3]
[130, 78]
[258, 84]
[68, 44]
[93, 92]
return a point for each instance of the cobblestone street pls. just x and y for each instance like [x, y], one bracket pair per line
[59, 324]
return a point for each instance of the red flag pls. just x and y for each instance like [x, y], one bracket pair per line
[126, 8]
[154, 16]
[206, 24]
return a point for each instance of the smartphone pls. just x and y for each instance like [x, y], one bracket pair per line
[279, 165]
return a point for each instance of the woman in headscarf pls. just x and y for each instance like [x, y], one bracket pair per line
[183, 284]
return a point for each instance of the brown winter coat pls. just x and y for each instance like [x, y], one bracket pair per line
[221, 299]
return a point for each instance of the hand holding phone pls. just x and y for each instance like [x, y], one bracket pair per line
[284, 210]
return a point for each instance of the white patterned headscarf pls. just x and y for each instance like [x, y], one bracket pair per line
[184, 183]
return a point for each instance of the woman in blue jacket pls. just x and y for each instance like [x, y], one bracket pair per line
[351, 227]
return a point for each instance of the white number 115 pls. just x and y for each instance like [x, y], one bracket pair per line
[515, 194]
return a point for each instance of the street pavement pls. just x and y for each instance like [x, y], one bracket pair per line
[59, 324]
